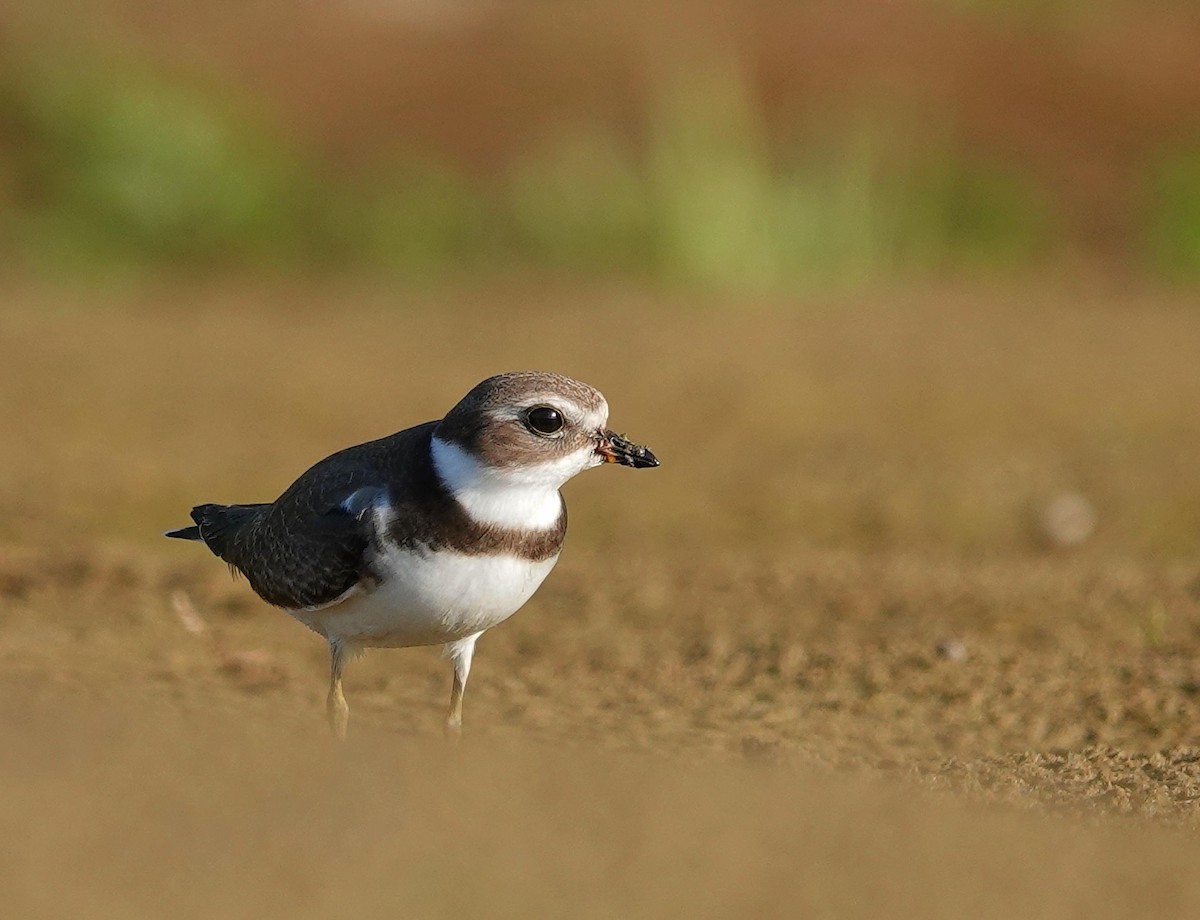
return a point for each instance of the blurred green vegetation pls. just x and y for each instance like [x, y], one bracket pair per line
[711, 203]
[1174, 231]
[118, 168]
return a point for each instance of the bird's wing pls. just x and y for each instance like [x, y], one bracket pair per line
[310, 549]
[307, 550]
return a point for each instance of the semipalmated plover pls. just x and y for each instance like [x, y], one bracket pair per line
[427, 537]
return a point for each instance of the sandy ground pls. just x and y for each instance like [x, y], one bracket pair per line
[827, 661]
[148, 814]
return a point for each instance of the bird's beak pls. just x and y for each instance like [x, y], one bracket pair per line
[615, 448]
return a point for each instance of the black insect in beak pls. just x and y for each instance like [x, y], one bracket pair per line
[615, 448]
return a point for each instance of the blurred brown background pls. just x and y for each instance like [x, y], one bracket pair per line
[770, 145]
[904, 295]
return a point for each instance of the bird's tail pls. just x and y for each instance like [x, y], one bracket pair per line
[217, 525]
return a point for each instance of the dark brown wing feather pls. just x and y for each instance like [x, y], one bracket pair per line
[316, 540]
[306, 548]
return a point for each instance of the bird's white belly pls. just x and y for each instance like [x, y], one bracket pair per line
[427, 598]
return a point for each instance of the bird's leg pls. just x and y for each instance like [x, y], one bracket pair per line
[460, 653]
[335, 703]
[454, 714]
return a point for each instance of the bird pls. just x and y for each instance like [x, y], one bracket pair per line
[430, 536]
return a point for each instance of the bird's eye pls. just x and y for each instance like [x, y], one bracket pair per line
[544, 420]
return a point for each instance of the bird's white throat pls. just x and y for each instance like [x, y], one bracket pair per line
[520, 497]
